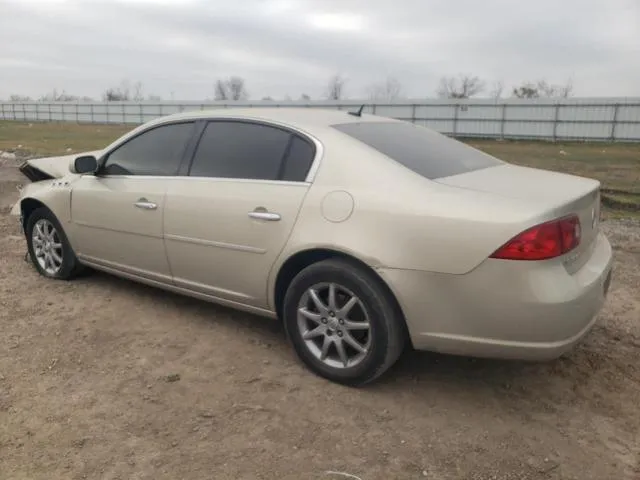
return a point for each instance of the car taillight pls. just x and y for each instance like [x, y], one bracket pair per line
[547, 240]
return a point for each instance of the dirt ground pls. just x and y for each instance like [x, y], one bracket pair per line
[101, 378]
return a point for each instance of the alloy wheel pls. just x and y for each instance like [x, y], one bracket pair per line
[47, 246]
[334, 325]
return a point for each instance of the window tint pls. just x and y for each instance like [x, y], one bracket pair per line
[156, 152]
[424, 151]
[240, 150]
[299, 160]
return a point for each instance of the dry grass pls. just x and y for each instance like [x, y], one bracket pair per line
[616, 165]
[55, 138]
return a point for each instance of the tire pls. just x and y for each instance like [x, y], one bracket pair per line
[310, 324]
[69, 267]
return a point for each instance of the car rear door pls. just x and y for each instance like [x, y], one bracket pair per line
[227, 221]
[117, 213]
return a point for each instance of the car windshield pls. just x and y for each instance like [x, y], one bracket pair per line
[420, 149]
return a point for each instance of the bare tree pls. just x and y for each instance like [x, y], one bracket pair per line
[19, 98]
[122, 93]
[55, 96]
[305, 97]
[497, 88]
[335, 87]
[526, 90]
[138, 95]
[387, 90]
[220, 90]
[232, 88]
[566, 90]
[237, 88]
[543, 89]
[115, 94]
[464, 86]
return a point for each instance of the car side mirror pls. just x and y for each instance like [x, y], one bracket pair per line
[84, 164]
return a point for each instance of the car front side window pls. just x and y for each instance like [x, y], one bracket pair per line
[155, 152]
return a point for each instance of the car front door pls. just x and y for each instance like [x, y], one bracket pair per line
[117, 213]
[227, 221]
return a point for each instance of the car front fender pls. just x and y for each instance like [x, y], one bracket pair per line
[55, 194]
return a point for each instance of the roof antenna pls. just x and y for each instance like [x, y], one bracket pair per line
[359, 112]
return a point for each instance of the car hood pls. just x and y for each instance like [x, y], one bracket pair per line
[45, 168]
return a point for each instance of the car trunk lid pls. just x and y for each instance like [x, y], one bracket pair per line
[554, 194]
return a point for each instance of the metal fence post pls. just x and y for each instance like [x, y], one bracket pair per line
[62, 108]
[503, 120]
[77, 112]
[124, 115]
[555, 121]
[2, 110]
[614, 121]
[91, 112]
[413, 113]
[141, 114]
[455, 119]
[106, 109]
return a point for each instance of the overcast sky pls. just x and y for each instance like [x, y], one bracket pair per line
[291, 47]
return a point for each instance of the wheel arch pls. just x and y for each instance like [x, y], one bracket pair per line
[302, 259]
[27, 207]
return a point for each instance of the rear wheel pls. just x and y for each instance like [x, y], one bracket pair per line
[49, 248]
[342, 322]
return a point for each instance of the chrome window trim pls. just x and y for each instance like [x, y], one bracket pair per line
[311, 174]
[202, 179]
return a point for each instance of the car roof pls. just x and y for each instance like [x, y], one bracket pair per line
[301, 117]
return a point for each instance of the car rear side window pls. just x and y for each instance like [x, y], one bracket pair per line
[233, 149]
[426, 152]
[155, 152]
[298, 160]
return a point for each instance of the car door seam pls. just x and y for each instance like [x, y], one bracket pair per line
[284, 246]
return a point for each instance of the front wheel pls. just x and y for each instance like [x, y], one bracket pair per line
[49, 248]
[342, 322]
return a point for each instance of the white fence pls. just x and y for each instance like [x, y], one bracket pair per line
[603, 119]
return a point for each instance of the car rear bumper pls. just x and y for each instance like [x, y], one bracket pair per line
[504, 309]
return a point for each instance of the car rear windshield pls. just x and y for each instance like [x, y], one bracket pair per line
[420, 149]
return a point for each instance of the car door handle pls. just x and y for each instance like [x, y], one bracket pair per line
[261, 215]
[145, 204]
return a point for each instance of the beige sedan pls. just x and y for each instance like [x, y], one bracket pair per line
[363, 234]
